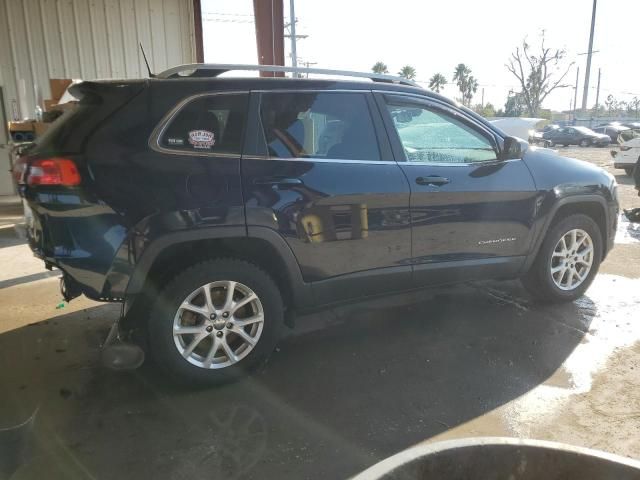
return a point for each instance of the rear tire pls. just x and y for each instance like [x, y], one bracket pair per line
[182, 306]
[546, 280]
[584, 142]
[550, 143]
[628, 171]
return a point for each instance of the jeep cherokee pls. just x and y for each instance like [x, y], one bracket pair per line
[214, 208]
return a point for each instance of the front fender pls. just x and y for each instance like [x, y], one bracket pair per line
[545, 221]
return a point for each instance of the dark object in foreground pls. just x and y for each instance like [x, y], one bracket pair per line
[496, 458]
[633, 214]
[15, 444]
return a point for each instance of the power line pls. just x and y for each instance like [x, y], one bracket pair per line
[230, 14]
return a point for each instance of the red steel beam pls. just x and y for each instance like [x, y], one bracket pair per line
[269, 34]
[197, 23]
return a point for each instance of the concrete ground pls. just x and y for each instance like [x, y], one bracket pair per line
[353, 386]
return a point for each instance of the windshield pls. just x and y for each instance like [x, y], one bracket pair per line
[584, 130]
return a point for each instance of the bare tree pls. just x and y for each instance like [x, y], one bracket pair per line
[538, 73]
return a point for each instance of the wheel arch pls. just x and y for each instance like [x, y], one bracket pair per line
[593, 206]
[171, 253]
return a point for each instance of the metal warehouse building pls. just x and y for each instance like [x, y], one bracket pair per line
[84, 39]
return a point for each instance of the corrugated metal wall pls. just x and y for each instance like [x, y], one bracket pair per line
[88, 39]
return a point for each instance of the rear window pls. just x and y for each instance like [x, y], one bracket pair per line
[70, 132]
[57, 136]
[207, 124]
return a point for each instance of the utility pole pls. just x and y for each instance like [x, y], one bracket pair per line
[575, 94]
[585, 95]
[292, 35]
[292, 17]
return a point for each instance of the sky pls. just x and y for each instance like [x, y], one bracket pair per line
[434, 36]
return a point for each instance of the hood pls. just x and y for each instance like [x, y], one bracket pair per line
[565, 174]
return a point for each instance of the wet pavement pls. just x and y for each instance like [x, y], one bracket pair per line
[350, 387]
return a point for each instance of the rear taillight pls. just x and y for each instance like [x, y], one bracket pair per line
[52, 171]
[624, 148]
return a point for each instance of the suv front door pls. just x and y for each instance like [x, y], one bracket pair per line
[471, 214]
[319, 171]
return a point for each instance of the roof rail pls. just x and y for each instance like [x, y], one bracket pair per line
[215, 69]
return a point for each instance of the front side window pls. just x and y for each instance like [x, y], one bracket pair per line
[329, 125]
[431, 136]
[208, 124]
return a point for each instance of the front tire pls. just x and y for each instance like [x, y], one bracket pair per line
[584, 142]
[628, 171]
[567, 262]
[215, 322]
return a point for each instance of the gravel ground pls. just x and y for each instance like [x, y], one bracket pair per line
[624, 259]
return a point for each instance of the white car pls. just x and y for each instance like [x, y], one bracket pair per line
[628, 156]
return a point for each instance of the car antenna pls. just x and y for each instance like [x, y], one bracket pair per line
[151, 75]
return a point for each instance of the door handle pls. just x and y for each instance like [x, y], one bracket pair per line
[278, 181]
[433, 180]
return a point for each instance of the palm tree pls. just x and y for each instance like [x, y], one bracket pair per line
[407, 72]
[437, 82]
[380, 67]
[471, 88]
[636, 104]
[461, 76]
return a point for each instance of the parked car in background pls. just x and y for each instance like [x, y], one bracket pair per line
[617, 133]
[537, 136]
[582, 136]
[628, 156]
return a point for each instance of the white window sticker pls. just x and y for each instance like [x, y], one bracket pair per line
[175, 141]
[202, 139]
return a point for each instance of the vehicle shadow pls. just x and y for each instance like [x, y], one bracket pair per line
[373, 379]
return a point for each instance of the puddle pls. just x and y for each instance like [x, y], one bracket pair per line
[612, 303]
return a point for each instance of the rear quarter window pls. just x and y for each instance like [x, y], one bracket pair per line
[207, 124]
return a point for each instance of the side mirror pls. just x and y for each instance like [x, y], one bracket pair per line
[513, 148]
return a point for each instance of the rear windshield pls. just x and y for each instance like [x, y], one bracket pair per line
[68, 133]
[63, 127]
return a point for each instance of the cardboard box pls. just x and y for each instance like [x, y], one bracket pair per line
[62, 107]
[21, 126]
[58, 86]
[49, 105]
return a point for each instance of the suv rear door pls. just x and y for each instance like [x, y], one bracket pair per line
[318, 169]
[471, 214]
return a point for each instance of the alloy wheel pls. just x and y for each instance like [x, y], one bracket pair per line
[218, 324]
[572, 259]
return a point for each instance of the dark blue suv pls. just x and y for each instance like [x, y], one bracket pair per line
[215, 208]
